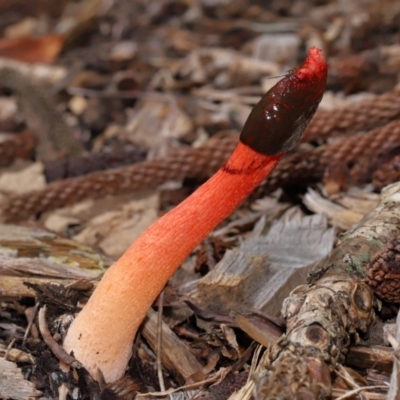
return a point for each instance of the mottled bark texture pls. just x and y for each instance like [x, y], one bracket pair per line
[383, 273]
[329, 312]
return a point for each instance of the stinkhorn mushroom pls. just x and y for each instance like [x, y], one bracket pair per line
[102, 334]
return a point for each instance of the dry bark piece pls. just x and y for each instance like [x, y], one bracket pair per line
[22, 177]
[38, 73]
[112, 224]
[394, 391]
[377, 357]
[14, 288]
[175, 356]
[265, 268]
[13, 385]
[211, 251]
[37, 257]
[61, 297]
[49, 255]
[294, 376]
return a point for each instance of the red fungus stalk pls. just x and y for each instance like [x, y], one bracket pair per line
[102, 334]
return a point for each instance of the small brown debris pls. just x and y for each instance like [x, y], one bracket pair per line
[230, 384]
[14, 146]
[211, 252]
[82, 165]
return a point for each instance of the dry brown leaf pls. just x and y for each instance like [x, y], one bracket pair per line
[44, 49]
[156, 121]
[25, 27]
[114, 230]
[22, 177]
[16, 355]
[343, 209]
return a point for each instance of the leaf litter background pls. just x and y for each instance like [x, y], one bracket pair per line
[91, 85]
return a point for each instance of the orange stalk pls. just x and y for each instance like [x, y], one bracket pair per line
[102, 334]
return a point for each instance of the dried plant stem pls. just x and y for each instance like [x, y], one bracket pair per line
[56, 349]
[300, 168]
[159, 341]
[9, 348]
[28, 328]
[350, 393]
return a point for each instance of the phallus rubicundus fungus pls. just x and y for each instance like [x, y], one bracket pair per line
[102, 334]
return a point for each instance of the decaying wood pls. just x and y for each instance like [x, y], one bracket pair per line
[13, 385]
[35, 253]
[14, 287]
[32, 256]
[324, 315]
[394, 391]
[230, 384]
[174, 354]
[377, 357]
[383, 272]
[261, 273]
